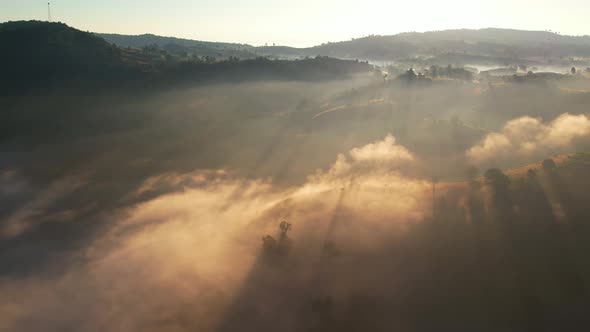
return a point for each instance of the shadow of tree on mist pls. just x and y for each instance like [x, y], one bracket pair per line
[502, 262]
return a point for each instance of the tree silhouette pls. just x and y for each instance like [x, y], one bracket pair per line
[433, 71]
[471, 173]
[285, 228]
[560, 188]
[280, 247]
[497, 179]
[535, 203]
[268, 243]
[548, 165]
[501, 198]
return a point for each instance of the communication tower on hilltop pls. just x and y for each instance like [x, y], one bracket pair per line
[49, 12]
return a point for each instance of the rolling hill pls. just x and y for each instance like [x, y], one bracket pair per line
[180, 46]
[494, 43]
[465, 46]
[40, 55]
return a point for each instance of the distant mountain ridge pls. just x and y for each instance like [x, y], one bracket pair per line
[150, 39]
[496, 35]
[483, 42]
[489, 42]
[181, 46]
[37, 56]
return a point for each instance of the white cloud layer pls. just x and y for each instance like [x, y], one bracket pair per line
[527, 137]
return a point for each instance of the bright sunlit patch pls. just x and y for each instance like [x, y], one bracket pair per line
[187, 253]
[526, 138]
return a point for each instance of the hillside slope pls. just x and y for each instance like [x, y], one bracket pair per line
[40, 56]
[484, 42]
[181, 46]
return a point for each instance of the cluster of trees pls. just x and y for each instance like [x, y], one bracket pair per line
[573, 71]
[309, 69]
[434, 72]
[540, 197]
[278, 249]
[450, 72]
[177, 56]
[518, 262]
[410, 76]
[41, 55]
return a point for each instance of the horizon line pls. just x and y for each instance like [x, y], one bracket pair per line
[304, 47]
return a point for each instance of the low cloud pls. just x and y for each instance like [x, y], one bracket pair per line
[12, 183]
[35, 211]
[527, 138]
[380, 158]
[382, 151]
[185, 259]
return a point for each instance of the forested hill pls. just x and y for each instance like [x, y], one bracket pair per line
[183, 47]
[490, 42]
[151, 39]
[40, 55]
[483, 42]
[489, 45]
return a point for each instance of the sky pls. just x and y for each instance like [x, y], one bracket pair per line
[303, 22]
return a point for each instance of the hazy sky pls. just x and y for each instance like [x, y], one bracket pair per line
[301, 22]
